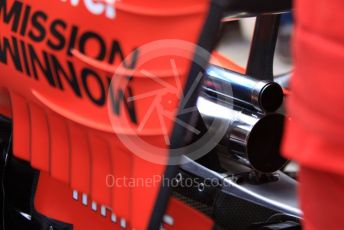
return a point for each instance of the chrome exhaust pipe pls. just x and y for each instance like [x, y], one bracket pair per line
[250, 135]
[264, 96]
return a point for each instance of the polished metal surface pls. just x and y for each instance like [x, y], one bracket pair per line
[243, 90]
[250, 135]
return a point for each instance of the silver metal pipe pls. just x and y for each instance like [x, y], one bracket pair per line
[250, 135]
[265, 96]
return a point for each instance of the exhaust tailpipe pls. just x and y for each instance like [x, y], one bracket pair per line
[264, 96]
[251, 135]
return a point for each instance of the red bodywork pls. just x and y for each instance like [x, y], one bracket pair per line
[57, 59]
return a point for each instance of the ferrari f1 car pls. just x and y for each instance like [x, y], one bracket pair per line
[120, 115]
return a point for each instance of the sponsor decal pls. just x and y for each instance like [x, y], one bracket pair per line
[105, 211]
[35, 47]
[60, 37]
[105, 7]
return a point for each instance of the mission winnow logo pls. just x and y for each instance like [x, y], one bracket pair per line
[30, 28]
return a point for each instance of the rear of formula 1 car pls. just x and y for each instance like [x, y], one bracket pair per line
[120, 115]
